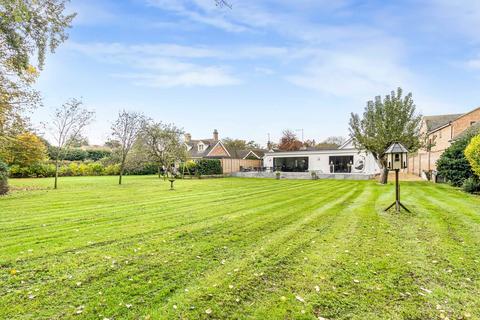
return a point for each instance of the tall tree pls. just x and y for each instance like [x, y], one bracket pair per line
[125, 131]
[234, 146]
[163, 145]
[289, 141]
[68, 123]
[3, 178]
[28, 29]
[386, 121]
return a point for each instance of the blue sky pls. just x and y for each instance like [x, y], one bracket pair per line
[264, 65]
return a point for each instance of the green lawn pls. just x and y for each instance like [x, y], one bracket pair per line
[236, 249]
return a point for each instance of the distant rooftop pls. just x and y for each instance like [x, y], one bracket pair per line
[435, 122]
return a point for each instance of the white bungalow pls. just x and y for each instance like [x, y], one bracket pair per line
[346, 160]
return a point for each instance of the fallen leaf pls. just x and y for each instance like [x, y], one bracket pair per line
[426, 290]
[208, 311]
[300, 299]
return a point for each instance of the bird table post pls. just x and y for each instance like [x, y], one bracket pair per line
[397, 156]
[171, 183]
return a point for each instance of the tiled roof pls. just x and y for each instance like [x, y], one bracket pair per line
[193, 145]
[435, 122]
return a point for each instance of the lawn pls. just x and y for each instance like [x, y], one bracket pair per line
[237, 248]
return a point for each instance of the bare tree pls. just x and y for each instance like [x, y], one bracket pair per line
[334, 140]
[289, 141]
[67, 125]
[163, 145]
[125, 131]
[223, 3]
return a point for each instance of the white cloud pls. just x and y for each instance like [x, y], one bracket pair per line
[206, 77]
[474, 64]
[160, 65]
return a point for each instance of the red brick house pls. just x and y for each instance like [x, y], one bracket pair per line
[440, 130]
[213, 148]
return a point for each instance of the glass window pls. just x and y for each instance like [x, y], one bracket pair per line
[293, 164]
[341, 164]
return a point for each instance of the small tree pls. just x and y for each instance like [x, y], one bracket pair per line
[125, 131]
[289, 141]
[386, 121]
[472, 153]
[163, 145]
[67, 125]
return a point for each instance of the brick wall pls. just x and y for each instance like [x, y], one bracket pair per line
[441, 138]
[463, 123]
[218, 151]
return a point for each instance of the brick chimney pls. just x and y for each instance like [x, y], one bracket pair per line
[215, 135]
[188, 137]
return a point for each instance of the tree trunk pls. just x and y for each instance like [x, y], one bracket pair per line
[159, 172]
[56, 174]
[120, 175]
[382, 163]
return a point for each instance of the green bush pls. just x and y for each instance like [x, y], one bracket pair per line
[95, 169]
[97, 154]
[3, 178]
[188, 167]
[112, 170]
[472, 153]
[453, 166]
[471, 185]
[209, 166]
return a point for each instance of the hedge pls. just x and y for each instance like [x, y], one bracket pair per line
[208, 167]
[77, 154]
[71, 169]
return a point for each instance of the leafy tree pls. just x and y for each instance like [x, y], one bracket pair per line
[163, 145]
[3, 178]
[67, 125]
[125, 130]
[393, 119]
[472, 153]
[289, 141]
[28, 29]
[24, 150]
[234, 144]
[452, 164]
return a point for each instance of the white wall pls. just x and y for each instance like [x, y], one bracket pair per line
[319, 160]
